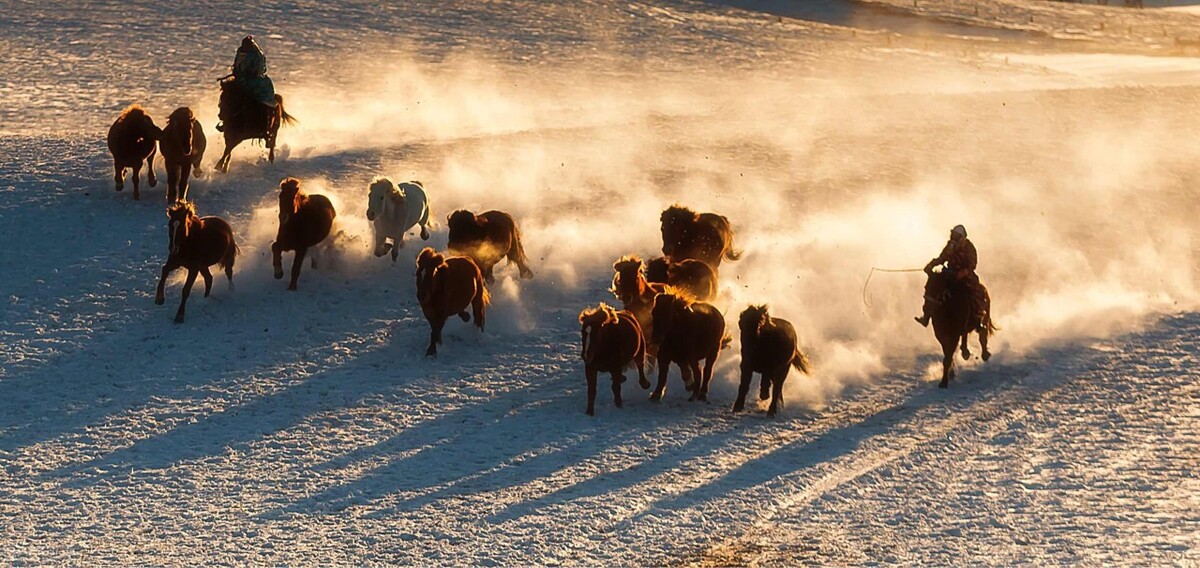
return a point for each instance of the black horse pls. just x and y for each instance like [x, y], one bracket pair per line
[955, 315]
[249, 119]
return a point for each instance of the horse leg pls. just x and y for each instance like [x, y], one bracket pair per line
[697, 381]
[661, 388]
[947, 363]
[185, 172]
[118, 176]
[641, 368]
[172, 183]
[277, 259]
[223, 164]
[983, 341]
[207, 281]
[966, 351]
[297, 264]
[743, 388]
[709, 363]
[153, 181]
[764, 387]
[478, 310]
[487, 274]
[777, 395]
[316, 254]
[617, 380]
[435, 335]
[159, 298]
[187, 290]
[590, 373]
[137, 173]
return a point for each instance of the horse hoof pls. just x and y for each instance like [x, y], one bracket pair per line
[966, 355]
[424, 234]
[655, 397]
[153, 182]
[291, 287]
[644, 384]
[179, 319]
[618, 404]
[944, 385]
[160, 300]
[987, 355]
[279, 274]
[737, 408]
[590, 412]
[431, 352]
[120, 187]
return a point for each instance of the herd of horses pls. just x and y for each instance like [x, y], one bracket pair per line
[666, 316]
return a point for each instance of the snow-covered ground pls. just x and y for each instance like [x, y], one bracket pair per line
[306, 427]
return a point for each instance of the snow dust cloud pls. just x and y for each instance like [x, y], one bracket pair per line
[1077, 199]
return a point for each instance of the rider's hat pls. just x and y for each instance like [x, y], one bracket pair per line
[959, 230]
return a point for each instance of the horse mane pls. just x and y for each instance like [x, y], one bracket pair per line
[178, 206]
[132, 111]
[604, 312]
[293, 184]
[181, 114]
[679, 294]
[678, 212]
[431, 259]
[756, 316]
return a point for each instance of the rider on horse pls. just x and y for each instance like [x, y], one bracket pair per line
[959, 259]
[250, 74]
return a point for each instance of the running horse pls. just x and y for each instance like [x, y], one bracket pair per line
[249, 120]
[955, 316]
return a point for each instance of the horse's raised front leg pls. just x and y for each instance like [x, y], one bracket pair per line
[966, 351]
[297, 264]
[187, 290]
[277, 259]
[159, 298]
[207, 281]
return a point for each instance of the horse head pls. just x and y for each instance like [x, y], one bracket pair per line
[378, 193]
[667, 308]
[466, 227]
[627, 277]
[180, 217]
[428, 261]
[590, 322]
[658, 270]
[290, 197]
[752, 321]
[179, 127]
[675, 221]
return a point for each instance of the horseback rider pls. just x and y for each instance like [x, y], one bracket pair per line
[959, 259]
[249, 73]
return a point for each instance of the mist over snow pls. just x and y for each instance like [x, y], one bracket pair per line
[306, 427]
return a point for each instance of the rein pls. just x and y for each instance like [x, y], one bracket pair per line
[867, 302]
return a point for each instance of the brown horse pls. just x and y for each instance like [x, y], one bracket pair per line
[685, 333]
[304, 221]
[707, 237]
[768, 347]
[131, 139]
[182, 147]
[486, 238]
[693, 276]
[195, 243]
[636, 294]
[248, 120]
[612, 341]
[955, 317]
[447, 286]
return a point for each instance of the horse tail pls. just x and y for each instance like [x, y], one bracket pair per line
[284, 118]
[519, 250]
[726, 340]
[801, 363]
[991, 327]
[731, 253]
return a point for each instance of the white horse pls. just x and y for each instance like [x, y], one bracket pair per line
[394, 210]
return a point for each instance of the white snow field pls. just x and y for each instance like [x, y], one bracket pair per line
[307, 427]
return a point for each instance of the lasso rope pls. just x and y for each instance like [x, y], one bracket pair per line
[872, 273]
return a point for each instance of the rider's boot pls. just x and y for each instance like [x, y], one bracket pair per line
[923, 319]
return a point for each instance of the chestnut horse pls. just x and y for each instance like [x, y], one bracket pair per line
[685, 333]
[304, 221]
[954, 318]
[447, 286]
[703, 236]
[182, 146]
[249, 119]
[612, 341]
[693, 276]
[636, 294]
[486, 238]
[195, 243]
[768, 347]
[131, 139]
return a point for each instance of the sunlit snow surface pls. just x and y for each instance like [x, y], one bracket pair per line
[306, 427]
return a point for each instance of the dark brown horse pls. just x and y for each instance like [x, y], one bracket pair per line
[706, 237]
[304, 221]
[131, 139]
[249, 119]
[448, 286]
[685, 333]
[486, 238]
[636, 294]
[693, 276]
[182, 146]
[612, 341]
[195, 243]
[954, 318]
[769, 348]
